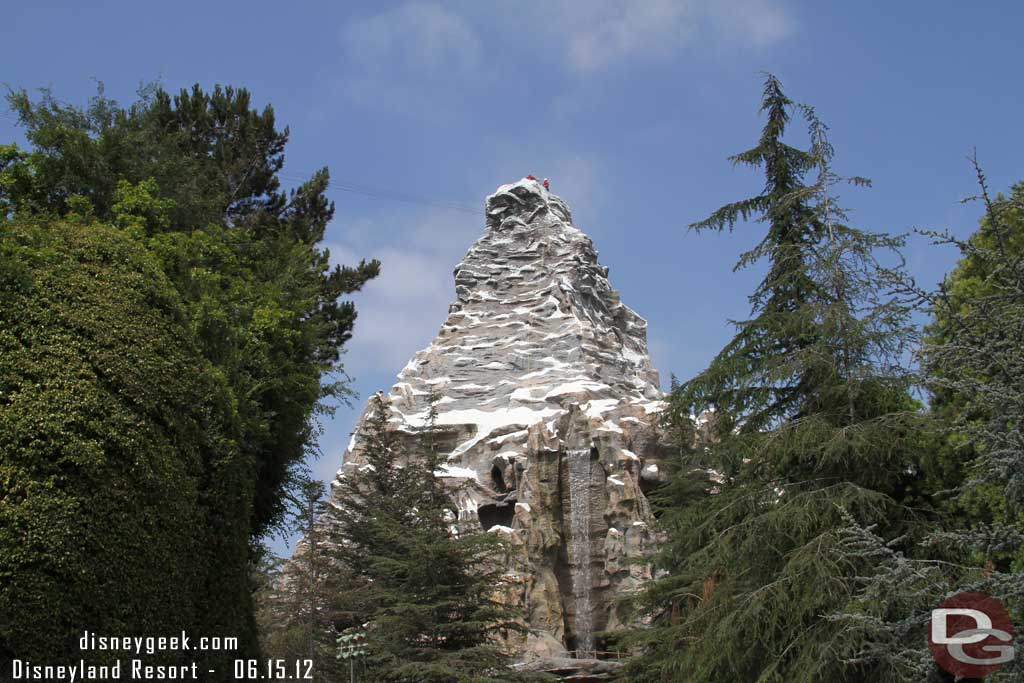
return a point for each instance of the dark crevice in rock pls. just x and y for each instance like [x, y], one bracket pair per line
[495, 515]
[498, 480]
[560, 565]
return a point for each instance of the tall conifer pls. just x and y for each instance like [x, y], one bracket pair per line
[813, 426]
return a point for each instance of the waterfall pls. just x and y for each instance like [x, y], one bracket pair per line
[579, 549]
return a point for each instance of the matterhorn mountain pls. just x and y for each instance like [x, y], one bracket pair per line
[548, 408]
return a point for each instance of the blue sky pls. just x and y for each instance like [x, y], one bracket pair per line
[629, 106]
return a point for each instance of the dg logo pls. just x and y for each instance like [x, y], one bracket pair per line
[971, 635]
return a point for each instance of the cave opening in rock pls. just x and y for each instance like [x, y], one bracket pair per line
[647, 482]
[495, 515]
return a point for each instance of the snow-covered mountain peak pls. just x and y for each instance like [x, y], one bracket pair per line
[539, 360]
[522, 200]
[535, 326]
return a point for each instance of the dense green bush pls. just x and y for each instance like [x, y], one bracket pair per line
[118, 463]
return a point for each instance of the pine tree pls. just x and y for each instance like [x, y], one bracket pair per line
[296, 613]
[778, 331]
[813, 426]
[426, 596]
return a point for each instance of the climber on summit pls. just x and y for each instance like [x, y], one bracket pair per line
[547, 184]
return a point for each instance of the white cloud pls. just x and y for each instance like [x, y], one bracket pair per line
[419, 36]
[759, 22]
[409, 56]
[402, 309]
[660, 352]
[399, 312]
[599, 33]
[429, 58]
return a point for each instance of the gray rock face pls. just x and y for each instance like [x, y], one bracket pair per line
[549, 405]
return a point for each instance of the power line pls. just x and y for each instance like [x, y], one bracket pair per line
[389, 195]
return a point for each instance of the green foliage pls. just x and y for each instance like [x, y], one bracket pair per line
[812, 428]
[188, 186]
[974, 363]
[139, 208]
[428, 594]
[124, 498]
[971, 361]
[194, 176]
[963, 306]
[17, 181]
[210, 152]
[890, 607]
[295, 600]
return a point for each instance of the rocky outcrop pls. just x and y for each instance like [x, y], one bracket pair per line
[572, 669]
[548, 404]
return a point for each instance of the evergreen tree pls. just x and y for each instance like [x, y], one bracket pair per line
[426, 594]
[813, 426]
[777, 333]
[971, 362]
[977, 358]
[295, 603]
[975, 282]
